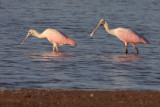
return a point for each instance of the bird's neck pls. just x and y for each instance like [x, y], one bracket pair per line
[110, 31]
[35, 33]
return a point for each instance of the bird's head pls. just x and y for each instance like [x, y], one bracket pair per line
[101, 23]
[30, 32]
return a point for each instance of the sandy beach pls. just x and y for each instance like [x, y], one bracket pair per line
[78, 98]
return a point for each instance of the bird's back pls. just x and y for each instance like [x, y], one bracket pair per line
[58, 37]
[128, 36]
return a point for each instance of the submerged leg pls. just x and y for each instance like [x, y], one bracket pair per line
[126, 47]
[135, 48]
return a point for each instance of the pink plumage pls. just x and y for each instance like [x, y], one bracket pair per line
[54, 36]
[128, 36]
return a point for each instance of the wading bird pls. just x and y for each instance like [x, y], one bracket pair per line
[54, 36]
[124, 34]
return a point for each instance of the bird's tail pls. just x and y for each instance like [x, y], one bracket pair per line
[71, 42]
[144, 41]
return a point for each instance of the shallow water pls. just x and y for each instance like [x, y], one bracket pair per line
[98, 63]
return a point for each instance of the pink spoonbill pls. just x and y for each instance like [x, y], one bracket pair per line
[54, 36]
[124, 34]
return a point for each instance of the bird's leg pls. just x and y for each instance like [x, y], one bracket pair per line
[126, 47]
[55, 46]
[135, 48]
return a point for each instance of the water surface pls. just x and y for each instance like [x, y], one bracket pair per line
[98, 63]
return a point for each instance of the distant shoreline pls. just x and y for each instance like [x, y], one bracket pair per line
[78, 98]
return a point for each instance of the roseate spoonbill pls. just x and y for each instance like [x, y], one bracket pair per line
[124, 34]
[54, 36]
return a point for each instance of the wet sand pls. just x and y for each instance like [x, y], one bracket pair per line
[78, 98]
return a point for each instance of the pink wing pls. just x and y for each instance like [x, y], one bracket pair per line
[128, 36]
[56, 36]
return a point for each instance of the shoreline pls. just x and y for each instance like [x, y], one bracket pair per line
[79, 98]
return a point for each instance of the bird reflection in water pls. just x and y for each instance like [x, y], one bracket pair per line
[52, 56]
[126, 58]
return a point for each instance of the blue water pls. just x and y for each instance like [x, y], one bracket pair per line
[98, 63]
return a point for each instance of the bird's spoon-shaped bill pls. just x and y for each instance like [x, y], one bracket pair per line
[24, 39]
[95, 29]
